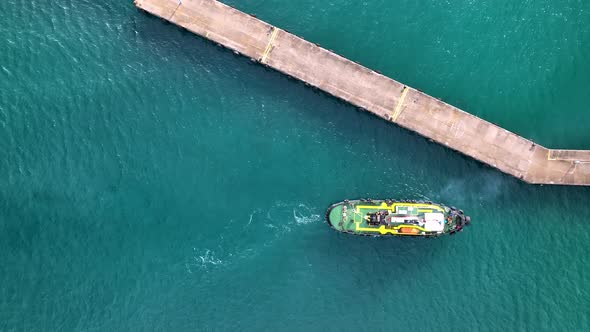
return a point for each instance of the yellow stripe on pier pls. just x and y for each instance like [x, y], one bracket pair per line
[398, 108]
[270, 45]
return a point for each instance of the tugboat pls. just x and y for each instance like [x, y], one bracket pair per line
[395, 218]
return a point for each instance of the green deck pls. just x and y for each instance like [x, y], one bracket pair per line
[355, 220]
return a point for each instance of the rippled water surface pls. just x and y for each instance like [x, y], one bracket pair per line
[152, 181]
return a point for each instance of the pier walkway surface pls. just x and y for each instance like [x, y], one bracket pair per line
[378, 94]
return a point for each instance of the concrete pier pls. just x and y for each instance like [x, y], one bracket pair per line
[380, 95]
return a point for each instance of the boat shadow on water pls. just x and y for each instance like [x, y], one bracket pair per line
[403, 256]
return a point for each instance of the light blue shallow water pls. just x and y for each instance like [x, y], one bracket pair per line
[152, 181]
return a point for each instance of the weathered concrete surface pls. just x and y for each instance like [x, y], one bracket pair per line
[374, 92]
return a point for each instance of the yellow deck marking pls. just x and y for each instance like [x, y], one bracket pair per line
[549, 155]
[270, 45]
[384, 230]
[384, 206]
[398, 108]
[393, 230]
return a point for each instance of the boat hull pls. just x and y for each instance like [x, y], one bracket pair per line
[395, 218]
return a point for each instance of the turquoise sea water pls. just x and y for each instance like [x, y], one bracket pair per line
[150, 180]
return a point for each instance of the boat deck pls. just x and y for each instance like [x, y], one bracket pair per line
[354, 218]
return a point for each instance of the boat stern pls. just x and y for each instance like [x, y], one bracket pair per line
[336, 214]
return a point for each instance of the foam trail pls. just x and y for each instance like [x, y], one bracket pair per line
[302, 219]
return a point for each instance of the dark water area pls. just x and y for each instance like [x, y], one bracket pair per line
[153, 181]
